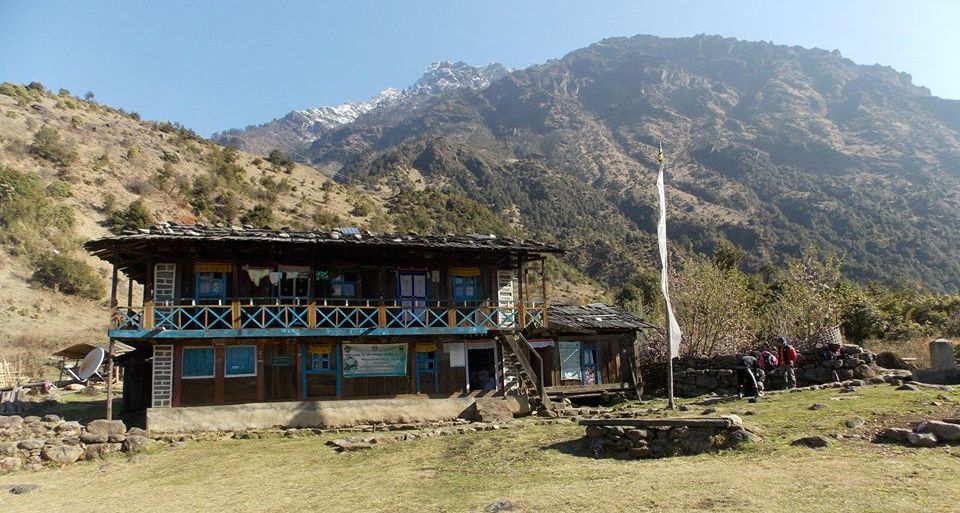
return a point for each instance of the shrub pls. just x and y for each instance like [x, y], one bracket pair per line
[324, 219]
[59, 189]
[134, 217]
[260, 216]
[48, 146]
[67, 275]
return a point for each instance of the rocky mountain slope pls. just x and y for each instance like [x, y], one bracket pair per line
[772, 147]
[295, 132]
[71, 169]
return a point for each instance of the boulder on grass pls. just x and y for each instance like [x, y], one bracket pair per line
[922, 439]
[944, 431]
[136, 443]
[62, 453]
[813, 442]
[894, 435]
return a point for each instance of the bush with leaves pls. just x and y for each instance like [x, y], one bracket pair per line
[134, 217]
[67, 275]
[48, 145]
[260, 216]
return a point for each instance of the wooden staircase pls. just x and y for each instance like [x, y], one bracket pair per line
[516, 357]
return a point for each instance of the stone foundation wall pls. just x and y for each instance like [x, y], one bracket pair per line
[693, 378]
[646, 439]
[34, 442]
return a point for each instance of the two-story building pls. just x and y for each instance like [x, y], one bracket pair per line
[240, 316]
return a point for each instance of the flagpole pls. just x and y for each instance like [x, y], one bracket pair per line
[668, 309]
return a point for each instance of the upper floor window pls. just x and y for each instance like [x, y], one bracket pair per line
[292, 281]
[343, 284]
[211, 280]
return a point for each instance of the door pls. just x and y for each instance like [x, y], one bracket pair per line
[589, 364]
[466, 293]
[412, 292]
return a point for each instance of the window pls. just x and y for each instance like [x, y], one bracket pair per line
[294, 281]
[240, 361]
[322, 357]
[344, 285]
[211, 285]
[427, 362]
[197, 362]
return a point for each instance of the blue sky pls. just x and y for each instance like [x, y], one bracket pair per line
[215, 65]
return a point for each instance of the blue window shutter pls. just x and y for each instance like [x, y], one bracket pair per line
[240, 360]
[197, 362]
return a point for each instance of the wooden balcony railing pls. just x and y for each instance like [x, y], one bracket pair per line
[267, 314]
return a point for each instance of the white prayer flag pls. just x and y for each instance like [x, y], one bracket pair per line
[664, 285]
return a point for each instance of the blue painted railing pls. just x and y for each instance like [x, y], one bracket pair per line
[260, 314]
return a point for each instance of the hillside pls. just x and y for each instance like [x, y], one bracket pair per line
[101, 160]
[775, 148]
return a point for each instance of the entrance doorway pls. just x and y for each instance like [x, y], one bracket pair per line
[481, 369]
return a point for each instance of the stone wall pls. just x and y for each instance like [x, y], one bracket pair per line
[34, 442]
[657, 438]
[693, 378]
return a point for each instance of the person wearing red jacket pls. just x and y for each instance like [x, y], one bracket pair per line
[787, 355]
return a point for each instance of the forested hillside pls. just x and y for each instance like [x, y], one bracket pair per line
[774, 148]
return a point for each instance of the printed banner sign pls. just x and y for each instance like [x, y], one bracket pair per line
[369, 360]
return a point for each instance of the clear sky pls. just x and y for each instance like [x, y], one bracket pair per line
[216, 65]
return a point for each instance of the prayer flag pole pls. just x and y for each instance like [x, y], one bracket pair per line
[673, 329]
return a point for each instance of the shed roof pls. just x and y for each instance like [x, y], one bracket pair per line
[78, 351]
[594, 317]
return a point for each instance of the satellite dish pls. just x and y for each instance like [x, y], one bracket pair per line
[91, 363]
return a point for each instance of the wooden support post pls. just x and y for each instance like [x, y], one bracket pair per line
[129, 293]
[219, 352]
[543, 289]
[114, 315]
[301, 366]
[260, 378]
[235, 313]
[110, 380]
[177, 375]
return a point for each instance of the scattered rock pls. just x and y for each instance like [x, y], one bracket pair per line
[922, 439]
[595, 431]
[10, 464]
[68, 426]
[98, 451]
[138, 432]
[895, 435]
[10, 421]
[136, 443]
[499, 505]
[857, 422]
[52, 419]
[817, 406]
[106, 427]
[62, 453]
[942, 430]
[30, 445]
[21, 489]
[709, 411]
[907, 386]
[813, 442]
[683, 407]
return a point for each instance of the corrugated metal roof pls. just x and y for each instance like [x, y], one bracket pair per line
[593, 317]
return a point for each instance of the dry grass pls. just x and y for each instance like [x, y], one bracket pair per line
[537, 468]
[918, 348]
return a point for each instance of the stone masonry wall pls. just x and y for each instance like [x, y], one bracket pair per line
[34, 442]
[693, 378]
[657, 441]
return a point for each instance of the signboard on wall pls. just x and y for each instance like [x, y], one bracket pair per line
[371, 360]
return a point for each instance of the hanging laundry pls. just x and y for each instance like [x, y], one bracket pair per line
[256, 274]
[275, 278]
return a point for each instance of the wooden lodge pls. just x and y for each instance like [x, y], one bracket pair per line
[237, 315]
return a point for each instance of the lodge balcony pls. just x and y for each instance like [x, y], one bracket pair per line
[333, 317]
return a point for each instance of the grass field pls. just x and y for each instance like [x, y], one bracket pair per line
[539, 470]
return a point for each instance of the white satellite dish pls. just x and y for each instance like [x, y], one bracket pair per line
[89, 366]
